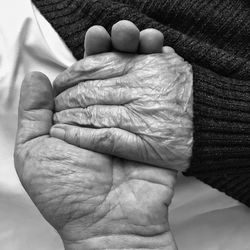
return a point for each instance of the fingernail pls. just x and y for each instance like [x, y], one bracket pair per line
[57, 133]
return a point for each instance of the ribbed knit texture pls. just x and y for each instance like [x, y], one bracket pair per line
[214, 36]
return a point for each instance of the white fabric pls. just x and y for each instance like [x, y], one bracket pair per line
[201, 217]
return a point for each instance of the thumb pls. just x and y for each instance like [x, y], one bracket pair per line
[35, 108]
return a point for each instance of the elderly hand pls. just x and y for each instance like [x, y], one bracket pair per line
[94, 201]
[137, 107]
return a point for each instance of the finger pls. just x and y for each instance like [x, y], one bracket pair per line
[113, 141]
[105, 92]
[97, 40]
[168, 50]
[107, 116]
[151, 41]
[173, 58]
[102, 66]
[99, 116]
[35, 108]
[125, 36]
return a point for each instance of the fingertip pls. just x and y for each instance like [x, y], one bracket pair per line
[151, 41]
[97, 40]
[36, 92]
[168, 50]
[33, 77]
[125, 36]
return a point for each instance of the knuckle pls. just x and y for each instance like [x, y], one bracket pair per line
[107, 139]
[80, 95]
[89, 113]
[111, 140]
[104, 137]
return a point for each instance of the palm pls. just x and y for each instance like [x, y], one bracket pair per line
[74, 187]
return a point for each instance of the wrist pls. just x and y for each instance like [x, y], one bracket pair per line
[115, 242]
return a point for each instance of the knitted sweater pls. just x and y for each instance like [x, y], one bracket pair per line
[214, 36]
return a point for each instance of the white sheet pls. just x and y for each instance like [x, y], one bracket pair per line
[201, 217]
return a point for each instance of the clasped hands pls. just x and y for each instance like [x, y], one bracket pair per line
[100, 160]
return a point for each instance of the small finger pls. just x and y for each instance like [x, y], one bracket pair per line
[168, 50]
[173, 59]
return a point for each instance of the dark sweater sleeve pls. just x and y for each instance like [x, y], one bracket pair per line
[221, 150]
[215, 44]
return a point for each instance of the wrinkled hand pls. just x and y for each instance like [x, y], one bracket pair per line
[137, 107]
[95, 201]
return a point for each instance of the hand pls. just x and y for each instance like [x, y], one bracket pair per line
[137, 107]
[94, 201]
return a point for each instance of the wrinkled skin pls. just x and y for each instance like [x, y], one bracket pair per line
[137, 107]
[95, 201]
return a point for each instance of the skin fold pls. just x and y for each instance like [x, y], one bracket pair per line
[94, 201]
